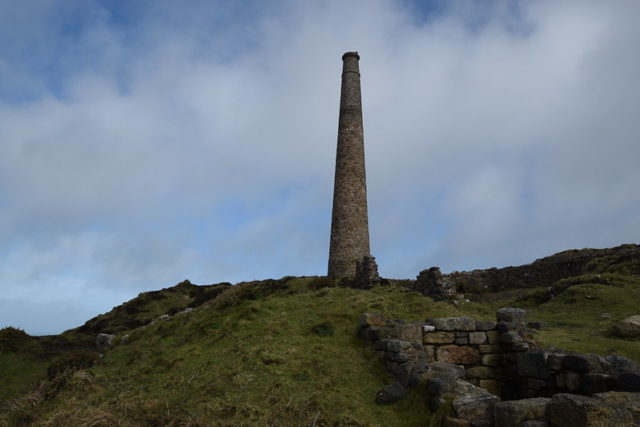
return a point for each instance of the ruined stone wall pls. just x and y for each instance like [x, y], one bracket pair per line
[543, 373]
[435, 285]
[472, 365]
[367, 273]
[542, 272]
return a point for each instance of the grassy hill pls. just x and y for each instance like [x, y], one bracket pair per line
[273, 352]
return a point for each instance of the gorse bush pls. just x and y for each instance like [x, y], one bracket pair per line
[236, 294]
[72, 361]
[11, 338]
[321, 282]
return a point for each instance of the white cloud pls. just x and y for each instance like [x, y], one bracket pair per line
[170, 142]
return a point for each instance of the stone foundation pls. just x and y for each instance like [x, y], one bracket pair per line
[472, 365]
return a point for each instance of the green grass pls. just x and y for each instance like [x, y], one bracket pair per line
[284, 353]
[259, 362]
[574, 318]
[149, 306]
[20, 373]
[246, 360]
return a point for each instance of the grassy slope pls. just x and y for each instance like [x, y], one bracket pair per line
[249, 358]
[575, 321]
[24, 359]
[254, 361]
[26, 365]
[20, 373]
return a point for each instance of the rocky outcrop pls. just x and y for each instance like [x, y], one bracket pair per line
[542, 272]
[135, 313]
[105, 341]
[628, 328]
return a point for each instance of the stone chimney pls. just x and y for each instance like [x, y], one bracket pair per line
[349, 221]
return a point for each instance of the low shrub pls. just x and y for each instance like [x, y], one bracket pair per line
[236, 294]
[12, 338]
[21, 410]
[203, 294]
[478, 288]
[536, 298]
[72, 361]
[321, 282]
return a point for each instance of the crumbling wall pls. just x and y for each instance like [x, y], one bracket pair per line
[367, 273]
[433, 284]
[471, 365]
[542, 272]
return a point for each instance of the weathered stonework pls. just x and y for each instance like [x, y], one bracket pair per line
[541, 388]
[433, 284]
[367, 273]
[349, 222]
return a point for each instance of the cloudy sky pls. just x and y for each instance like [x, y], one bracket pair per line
[145, 142]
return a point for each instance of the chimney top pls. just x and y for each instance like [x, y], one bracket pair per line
[354, 54]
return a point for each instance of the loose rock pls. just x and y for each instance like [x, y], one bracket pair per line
[454, 324]
[628, 328]
[391, 394]
[513, 315]
[475, 405]
[622, 364]
[516, 412]
[629, 401]
[104, 341]
[581, 363]
[572, 410]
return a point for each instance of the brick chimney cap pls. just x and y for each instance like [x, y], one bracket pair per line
[354, 54]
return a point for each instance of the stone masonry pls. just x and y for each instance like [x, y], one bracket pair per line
[349, 223]
[433, 284]
[479, 373]
[367, 273]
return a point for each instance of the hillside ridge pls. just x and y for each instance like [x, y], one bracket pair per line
[282, 351]
[544, 272]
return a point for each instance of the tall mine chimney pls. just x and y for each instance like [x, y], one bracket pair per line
[349, 221]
